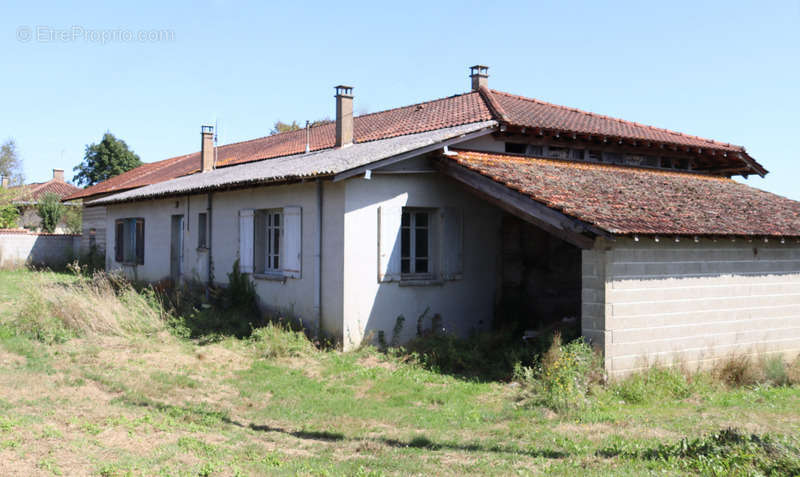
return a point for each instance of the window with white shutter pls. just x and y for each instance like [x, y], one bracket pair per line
[277, 242]
[246, 240]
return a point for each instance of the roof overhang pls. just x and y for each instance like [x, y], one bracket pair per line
[569, 229]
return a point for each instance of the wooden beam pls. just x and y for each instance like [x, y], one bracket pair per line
[567, 228]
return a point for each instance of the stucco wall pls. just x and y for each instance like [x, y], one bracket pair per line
[696, 302]
[293, 297]
[18, 248]
[369, 305]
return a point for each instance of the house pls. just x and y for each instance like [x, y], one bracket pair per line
[474, 208]
[28, 195]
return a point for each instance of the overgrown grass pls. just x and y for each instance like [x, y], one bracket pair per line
[124, 402]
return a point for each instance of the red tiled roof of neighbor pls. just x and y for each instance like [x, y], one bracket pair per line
[632, 200]
[34, 192]
[446, 112]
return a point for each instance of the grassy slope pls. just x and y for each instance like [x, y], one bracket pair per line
[163, 406]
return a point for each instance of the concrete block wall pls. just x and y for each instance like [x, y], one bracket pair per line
[694, 302]
[20, 248]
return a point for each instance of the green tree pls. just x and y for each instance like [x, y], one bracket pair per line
[73, 218]
[281, 126]
[10, 163]
[9, 213]
[107, 159]
[50, 209]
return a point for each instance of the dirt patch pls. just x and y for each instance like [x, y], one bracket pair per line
[8, 360]
[374, 361]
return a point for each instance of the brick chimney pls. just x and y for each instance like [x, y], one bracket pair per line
[480, 76]
[5, 182]
[58, 175]
[344, 115]
[206, 148]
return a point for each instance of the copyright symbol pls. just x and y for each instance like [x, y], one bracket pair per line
[24, 34]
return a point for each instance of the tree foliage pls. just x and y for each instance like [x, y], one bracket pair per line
[9, 213]
[104, 160]
[50, 210]
[281, 127]
[10, 163]
[73, 218]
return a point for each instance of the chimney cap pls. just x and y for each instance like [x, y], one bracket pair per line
[479, 70]
[343, 90]
[206, 129]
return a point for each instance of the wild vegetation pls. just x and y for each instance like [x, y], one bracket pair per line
[99, 376]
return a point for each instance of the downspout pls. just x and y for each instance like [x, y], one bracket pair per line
[318, 258]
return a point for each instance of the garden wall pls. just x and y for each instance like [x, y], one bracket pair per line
[18, 247]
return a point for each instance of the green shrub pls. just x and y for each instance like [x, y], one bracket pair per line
[561, 378]
[50, 210]
[483, 356]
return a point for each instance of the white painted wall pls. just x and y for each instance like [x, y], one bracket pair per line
[291, 297]
[20, 248]
[695, 302]
[370, 305]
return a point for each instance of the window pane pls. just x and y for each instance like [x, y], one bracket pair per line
[421, 243]
[421, 266]
[405, 266]
[422, 219]
[405, 220]
[276, 265]
[405, 243]
[276, 221]
[276, 249]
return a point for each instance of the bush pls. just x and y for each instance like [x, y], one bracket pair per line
[561, 378]
[73, 219]
[50, 210]
[484, 356]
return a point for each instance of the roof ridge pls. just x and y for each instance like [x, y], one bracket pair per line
[494, 106]
[296, 131]
[619, 120]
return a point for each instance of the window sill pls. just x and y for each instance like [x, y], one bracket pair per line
[202, 249]
[130, 264]
[270, 277]
[420, 282]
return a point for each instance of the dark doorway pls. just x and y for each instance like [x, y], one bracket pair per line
[176, 248]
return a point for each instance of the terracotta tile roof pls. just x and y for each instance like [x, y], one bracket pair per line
[455, 110]
[428, 116]
[34, 192]
[629, 200]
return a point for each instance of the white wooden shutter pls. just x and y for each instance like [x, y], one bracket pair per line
[246, 235]
[452, 243]
[292, 241]
[389, 217]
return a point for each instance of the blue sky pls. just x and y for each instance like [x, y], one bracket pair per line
[725, 70]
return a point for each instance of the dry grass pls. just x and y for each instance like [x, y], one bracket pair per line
[103, 305]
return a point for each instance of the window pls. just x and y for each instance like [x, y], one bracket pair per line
[577, 154]
[415, 234]
[270, 242]
[202, 230]
[129, 241]
[557, 152]
[516, 147]
[534, 150]
[272, 246]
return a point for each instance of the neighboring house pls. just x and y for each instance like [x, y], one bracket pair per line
[28, 196]
[474, 209]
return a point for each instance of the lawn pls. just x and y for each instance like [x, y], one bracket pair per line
[156, 403]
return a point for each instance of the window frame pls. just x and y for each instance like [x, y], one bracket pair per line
[129, 240]
[412, 258]
[273, 234]
[202, 230]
